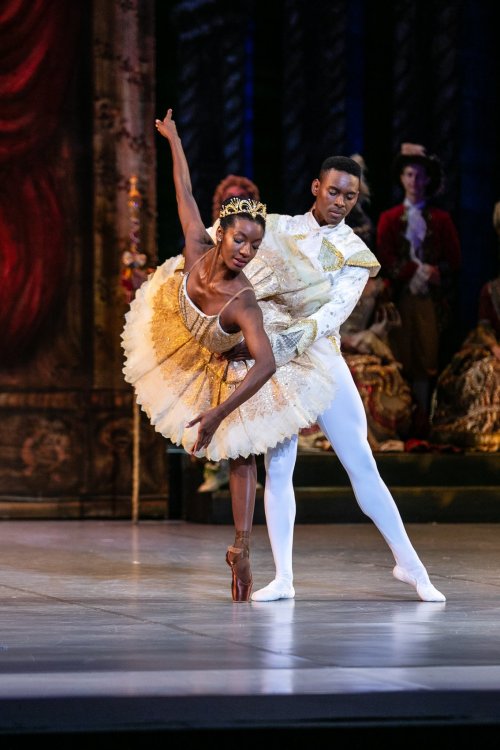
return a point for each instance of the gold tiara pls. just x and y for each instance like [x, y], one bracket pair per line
[243, 206]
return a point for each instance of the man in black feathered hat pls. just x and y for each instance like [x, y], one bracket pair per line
[419, 251]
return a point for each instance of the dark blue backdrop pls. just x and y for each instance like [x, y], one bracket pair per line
[269, 88]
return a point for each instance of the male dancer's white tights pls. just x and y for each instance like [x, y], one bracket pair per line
[345, 426]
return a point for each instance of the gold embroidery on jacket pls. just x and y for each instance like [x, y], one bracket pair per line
[330, 258]
[364, 259]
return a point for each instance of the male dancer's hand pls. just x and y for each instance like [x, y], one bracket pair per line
[237, 354]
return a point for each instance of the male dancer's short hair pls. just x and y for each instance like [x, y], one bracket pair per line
[341, 164]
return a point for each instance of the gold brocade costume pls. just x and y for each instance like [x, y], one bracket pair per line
[170, 358]
[467, 397]
[386, 397]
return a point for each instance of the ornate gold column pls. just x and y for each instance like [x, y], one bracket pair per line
[66, 414]
[123, 146]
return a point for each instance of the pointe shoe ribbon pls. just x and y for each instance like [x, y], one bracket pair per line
[426, 591]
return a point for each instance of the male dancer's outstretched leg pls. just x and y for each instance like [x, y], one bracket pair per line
[345, 426]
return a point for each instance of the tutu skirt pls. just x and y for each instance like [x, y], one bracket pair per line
[175, 378]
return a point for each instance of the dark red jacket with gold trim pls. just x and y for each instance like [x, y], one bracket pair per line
[441, 247]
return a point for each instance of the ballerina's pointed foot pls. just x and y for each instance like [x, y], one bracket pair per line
[241, 576]
[426, 591]
[274, 591]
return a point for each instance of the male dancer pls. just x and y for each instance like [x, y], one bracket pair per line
[332, 246]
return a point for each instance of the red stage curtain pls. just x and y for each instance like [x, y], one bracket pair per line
[38, 41]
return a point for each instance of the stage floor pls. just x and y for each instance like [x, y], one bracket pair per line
[122, 628]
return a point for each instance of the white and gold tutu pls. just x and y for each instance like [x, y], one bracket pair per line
[170, 358]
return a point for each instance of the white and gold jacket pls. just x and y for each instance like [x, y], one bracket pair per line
[341, 256]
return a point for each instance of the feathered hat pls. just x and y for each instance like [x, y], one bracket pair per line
[414, 153]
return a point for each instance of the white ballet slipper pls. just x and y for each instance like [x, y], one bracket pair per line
[274, 591]
[426, 591]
